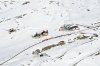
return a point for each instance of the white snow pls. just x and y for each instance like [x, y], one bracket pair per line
[38, 15]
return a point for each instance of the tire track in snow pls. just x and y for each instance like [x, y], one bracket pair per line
[75, 47]
[45, 40]
[89, 55]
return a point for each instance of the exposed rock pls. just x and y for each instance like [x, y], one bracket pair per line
[36, 52]
[68, 27]
[11, 30]
[42, 34]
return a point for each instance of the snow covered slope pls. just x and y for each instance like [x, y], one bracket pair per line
[72, 38]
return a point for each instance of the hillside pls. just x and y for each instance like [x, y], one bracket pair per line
[49, 32]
